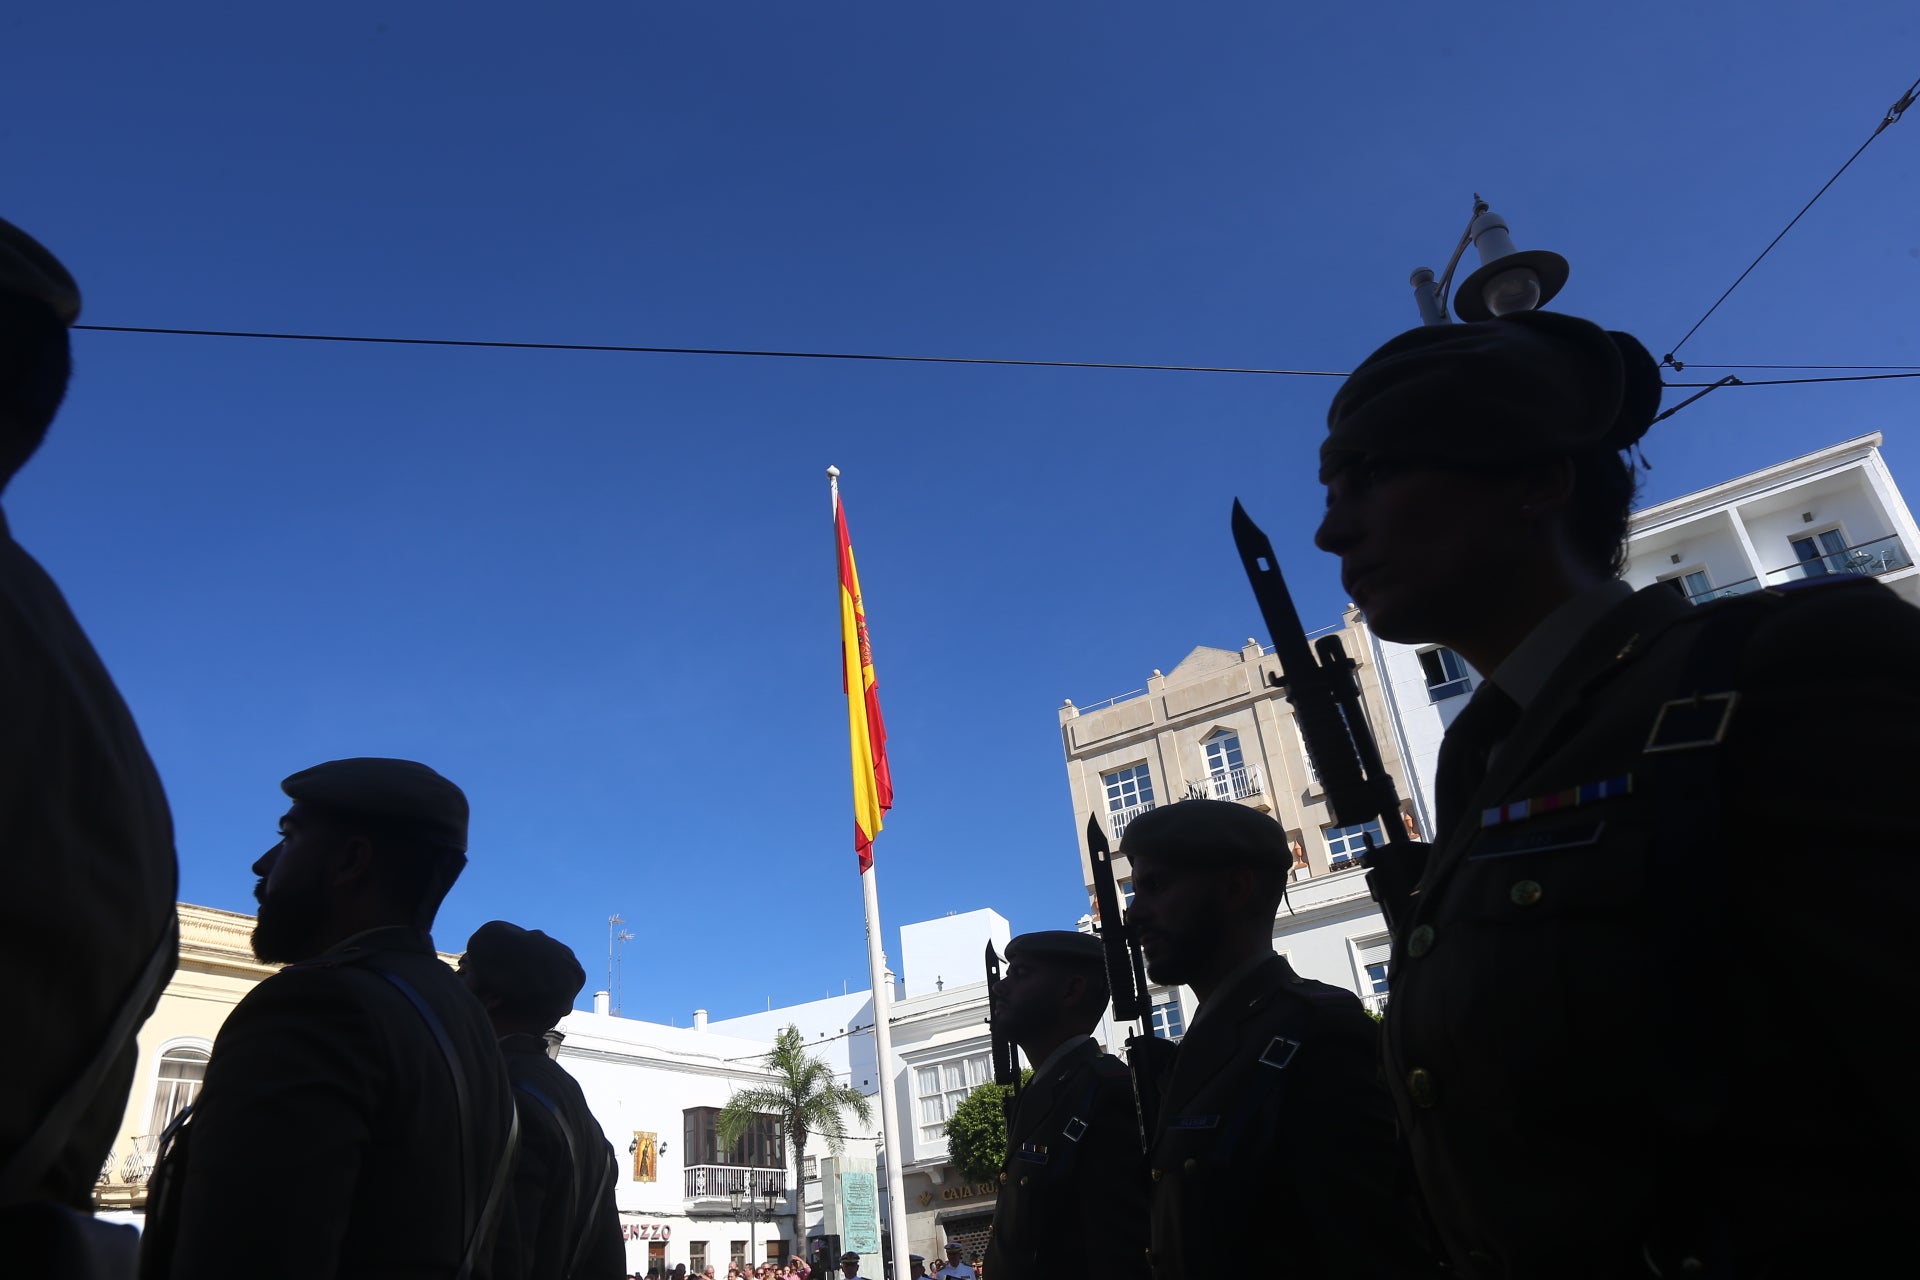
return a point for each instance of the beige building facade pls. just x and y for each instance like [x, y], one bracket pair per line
[1217, 727]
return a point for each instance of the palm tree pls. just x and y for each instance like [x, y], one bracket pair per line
[805, 1098]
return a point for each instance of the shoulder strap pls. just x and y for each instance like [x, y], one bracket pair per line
[474, 1225]
[32, 1157]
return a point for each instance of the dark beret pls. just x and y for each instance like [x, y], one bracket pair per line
[401, 794]
[1058, 945]
[1517, 388]
[27, 269]
[1207, 833]
[525, 967]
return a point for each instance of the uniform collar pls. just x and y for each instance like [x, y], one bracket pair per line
[1525, 671]
[1060, 1055]
[386, 937]
[1224, 993]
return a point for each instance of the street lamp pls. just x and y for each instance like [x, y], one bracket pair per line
[1508, 280]
[750, 1199]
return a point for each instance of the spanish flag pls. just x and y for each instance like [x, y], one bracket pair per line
[872, 781]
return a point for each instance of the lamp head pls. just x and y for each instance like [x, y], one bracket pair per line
[1508, 279]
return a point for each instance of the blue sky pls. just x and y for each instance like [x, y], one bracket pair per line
[598, 590]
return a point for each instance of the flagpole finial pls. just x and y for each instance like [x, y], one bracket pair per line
[833, 473]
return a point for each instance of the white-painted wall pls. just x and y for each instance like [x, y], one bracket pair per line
[949, 952]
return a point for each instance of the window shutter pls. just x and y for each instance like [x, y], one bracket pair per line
[1374, 950]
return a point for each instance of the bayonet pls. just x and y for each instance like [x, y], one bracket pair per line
[1323, 688]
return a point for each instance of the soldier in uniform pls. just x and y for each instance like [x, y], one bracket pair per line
[87, 923]
[1073, 1195]
[1615, 1049]
[850, 1266]
[1273, 1104]
[355, 1120]
[562, 1221]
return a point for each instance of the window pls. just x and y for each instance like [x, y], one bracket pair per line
[696, 1257]
[761, 1147]
[1128, 788]
[182, 1071]
[738, 1253]
[1447, 674]
[1126, 893]
[940, 1088]
[1226, 767]
[1818, 553]
[1167, 1020]
[1370, 958]
[811, 1171]
[1129, 794]
[1344, 844]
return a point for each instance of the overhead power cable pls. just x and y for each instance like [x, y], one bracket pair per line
[1906, 371]
[702, 351]
[1894, 112]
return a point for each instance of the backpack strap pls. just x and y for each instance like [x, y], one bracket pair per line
[474, 1224]
[32, 1158]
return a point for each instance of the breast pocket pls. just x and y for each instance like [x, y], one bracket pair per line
[1552, 945]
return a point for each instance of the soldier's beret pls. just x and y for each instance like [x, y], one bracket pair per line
[28, 269]
[1514, 389]
[1207, 833]
[525, 967]
[402, 794]
[1063, 945]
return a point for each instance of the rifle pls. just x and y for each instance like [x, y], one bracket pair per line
[1325, 695]
[1006, 1055]
[1127, 981]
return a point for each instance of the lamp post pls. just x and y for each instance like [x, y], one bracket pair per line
[1508, 279]
[749, 1198]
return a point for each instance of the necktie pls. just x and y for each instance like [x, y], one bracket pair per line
[1463, 755]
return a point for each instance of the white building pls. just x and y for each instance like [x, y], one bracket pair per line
[656, 1091]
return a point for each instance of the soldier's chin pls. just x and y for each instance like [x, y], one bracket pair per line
[1164, 967]
[281, 935]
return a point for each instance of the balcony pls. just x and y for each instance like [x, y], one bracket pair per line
[716, 1183]
[1739, 588]
[1868, 559]
[1117, 819]
[1232, 784]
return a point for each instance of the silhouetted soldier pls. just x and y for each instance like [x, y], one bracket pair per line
[1073, 1192]
[1273, 1105]
[1617, 1050]
[88, 935]
[355, 1120]
[562, 1224]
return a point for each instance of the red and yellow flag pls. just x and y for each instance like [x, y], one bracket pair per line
[872, 781]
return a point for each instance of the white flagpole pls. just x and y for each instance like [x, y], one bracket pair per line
[882, 1033]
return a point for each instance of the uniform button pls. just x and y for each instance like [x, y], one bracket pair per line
[1003, 1177]
[1420, 941]
[1024, 1179]
[1190, 1166]
[1420, 1086]
[1156, 1175]
[1525, 893]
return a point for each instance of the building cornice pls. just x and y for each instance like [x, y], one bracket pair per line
[1754, 484]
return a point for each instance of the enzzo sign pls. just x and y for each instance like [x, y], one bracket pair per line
[645, 1231]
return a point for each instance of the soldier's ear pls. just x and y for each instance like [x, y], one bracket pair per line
[354, 862]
